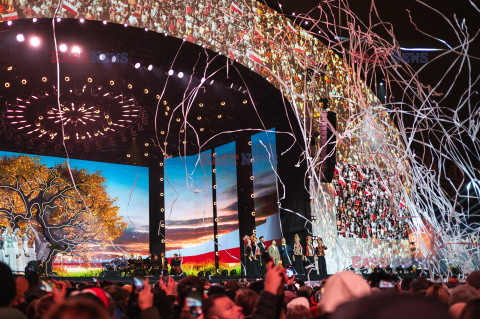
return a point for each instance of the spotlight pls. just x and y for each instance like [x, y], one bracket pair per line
[20, 37]
[137, 65]
[24, 81]
[180, 75]
[202, 80]
[9, 23]
[102, 57]
[34, 41]
[76, 50]
[150, 67]
[10, 68]
[59, 19]
[125, 25]
[146, 29]
[44, 79]
[104, 22]
[34, 20]
[170, 72]
[82, 20]
[62, 47]
[114, 59]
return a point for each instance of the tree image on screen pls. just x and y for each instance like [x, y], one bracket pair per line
[65, 217]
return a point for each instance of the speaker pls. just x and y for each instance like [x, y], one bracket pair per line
[328, 137]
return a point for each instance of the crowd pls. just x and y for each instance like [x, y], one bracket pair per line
[362, 202]
[343, 295]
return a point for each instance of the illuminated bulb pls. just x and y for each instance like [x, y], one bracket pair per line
[219, 116]
[150, 67]
[145, 154]
[40, 117]
[170, 72]
[157, 97]
[251, 178]
[63, 47]
[82, 20]
[9, 68]
[252, 195]
[201, 129]
[104, 22]
[125, 25]
[253, 213]
[145, 91]
[222, 103]
[137, 65]
[184, 142]
[129, 86]
[178, 119]
[20, 37]
[34, 20]
[89, 80]
[146, 144]
[162, 132]
[59, 19]
[38, 124]
[76, 50]
[9, 23]
[180, 75]
[199, 118]
[201, 104]
[166, 113]
[167, 108]
[67, 78]
[7, 85]
[44, 79]
[24, 81]
[245, 101]
[112, 82]
[182, 131]
[128, 155]
[34, 41]
[101, 57]
[164, 102]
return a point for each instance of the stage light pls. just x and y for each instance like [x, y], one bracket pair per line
[76, 50]
[62, 47]
[112, 82]
[201, 129]
[129, 86]
[44, 79]
[20, 37]
[104, 22]
[9, 68]
[180, 75]
[101, 57]
[24, 81]
[145, 91]
[199, 118]
[114, 59]
[137, 65]
[146, 154]
[200, 104]
[67, 79]
[146, 144]
[219, 116]
[34, 41]
[82, 20]
[89, 80]
[34, 20]
[7, 85]
[170, 72]
[59, 19]
[222, 103]
[245, 101]
[125, 25]
[9, 23]
[150, 67]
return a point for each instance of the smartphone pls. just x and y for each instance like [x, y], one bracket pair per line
[138, 283]
[194, 302]
[386, 284]
[46, 286]
[289, 272]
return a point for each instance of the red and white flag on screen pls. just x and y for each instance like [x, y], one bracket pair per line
[69, 7]
[236, 8]
[341, 181]
[10, 16]
[255, 57]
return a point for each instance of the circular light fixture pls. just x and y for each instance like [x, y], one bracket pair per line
[24, 81]
[201, 104]
[128, 155]
[129, 86]
[199, 118]
[137, 65]
[62, 47]
[89, 80]
[76, 50]
[150, 67]
[164, 102]
[9, 23]
[157, 97]
[146, 144]
[146, 29]
[114, 59]
[178, 119]
[10, 68]
[245, 101]
[34, 41]
[44, 79]
[20, 37]
[7, 85]
[219, 116]
[67, 79]
[170, 72]
[104, 22]
[222, 103]
[201, 129]
[82, 20]
[101, 57]
[112, 82]
[180, 75]
[145, 154]
[145, 91]
[34, 20]
[59, 19]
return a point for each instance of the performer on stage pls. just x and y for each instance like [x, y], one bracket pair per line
[9, 248]
[263, 249]
[139, 266]
[298, 256]
[322, 265]
[248, 253]
[164, 263]
[256, 254]
[21, 261]
[147, 263]
[123, 264]
[29, 239]
[273, 252]
[285, 253]
[310, 253]
[176, 265]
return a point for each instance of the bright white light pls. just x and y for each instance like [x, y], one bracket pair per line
[150, 67]
[63, 47]
[34, 20]
[125, 25]
[180, 74]
[137, 65]
[82, 20]
[102, 57]
[76, 50]
[59, 19]
[20, 37]
[9, 23]
[34, 41]
[202, 80]
[146, 29]
[170, 72]
[114, 59]
[104, 22]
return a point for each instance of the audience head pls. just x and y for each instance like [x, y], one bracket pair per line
[189, 281]
[246, 299]
[298, 312]
[474, 279]
[221, 307]
[438, 292]
[463, 293]
[471, 310]
[9, 287]
[343, 287]
[419, 286]
[79, 307]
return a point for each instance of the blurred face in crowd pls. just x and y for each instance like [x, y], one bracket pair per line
[225, 308]
[283, 241]
[274, 243]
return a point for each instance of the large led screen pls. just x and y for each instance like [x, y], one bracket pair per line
[264, 169]
[75, 227]
[227, 207]
[189, 212]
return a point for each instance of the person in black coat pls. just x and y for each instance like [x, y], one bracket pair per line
[285, 253]
[263, 249]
